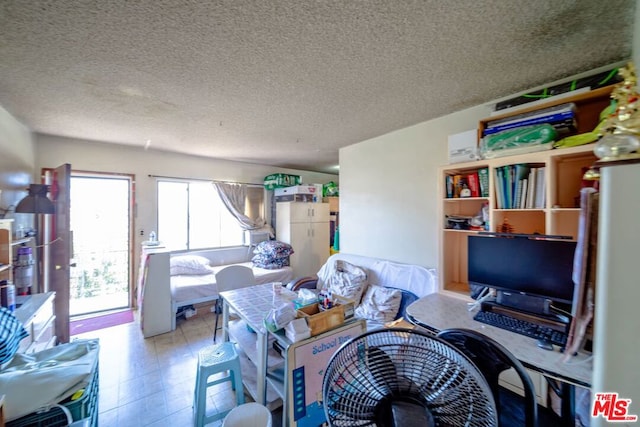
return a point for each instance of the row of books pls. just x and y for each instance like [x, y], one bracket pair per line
[520, 186]
[472, 184]
[561, 117]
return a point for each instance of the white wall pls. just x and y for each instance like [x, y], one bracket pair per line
[388, 190]
[17, 161]
[52, 151]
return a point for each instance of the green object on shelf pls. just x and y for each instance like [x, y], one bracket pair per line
[281, 180]
[336, 239]
[330, 189]
[525, 136]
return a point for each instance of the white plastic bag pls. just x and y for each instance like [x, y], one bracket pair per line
[277, 318]
[347, 280]
[31, 382]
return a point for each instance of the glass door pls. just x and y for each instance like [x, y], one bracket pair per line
[101, 226]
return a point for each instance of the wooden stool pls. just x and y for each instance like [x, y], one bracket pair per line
[213, 360]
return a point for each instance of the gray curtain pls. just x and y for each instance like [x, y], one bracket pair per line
[233, 196]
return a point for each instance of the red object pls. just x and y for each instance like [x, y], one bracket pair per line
[474, 184]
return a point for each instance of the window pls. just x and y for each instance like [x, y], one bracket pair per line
[192, 216]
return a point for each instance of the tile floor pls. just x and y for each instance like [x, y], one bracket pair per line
[150, 382]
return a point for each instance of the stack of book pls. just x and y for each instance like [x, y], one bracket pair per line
[520, 186]
[472, 184]
[561, 117]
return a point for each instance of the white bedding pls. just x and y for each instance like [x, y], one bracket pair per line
[186, 289]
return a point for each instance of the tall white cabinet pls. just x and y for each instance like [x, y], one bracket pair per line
[305, 226]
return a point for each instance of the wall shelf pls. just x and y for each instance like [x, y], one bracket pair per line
[557, 213]
[21, 241]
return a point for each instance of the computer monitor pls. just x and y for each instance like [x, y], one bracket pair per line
[523, 266]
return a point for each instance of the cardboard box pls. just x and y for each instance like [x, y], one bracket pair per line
[463, 147]
[297, 189]
[295, 198]
[334, 203]
[320, 321]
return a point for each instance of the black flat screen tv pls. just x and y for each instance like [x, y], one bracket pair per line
[525, 265]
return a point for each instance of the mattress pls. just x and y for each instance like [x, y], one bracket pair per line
[196, 287]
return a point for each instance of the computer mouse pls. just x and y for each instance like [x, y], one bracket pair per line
[545, 344]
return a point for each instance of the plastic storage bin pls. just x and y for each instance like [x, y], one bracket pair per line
[82, 408]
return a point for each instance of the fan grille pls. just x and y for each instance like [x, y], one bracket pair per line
[367, 374]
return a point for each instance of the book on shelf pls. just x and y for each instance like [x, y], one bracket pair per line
[523, 193]
[457, 185]
[449, 186]
[560, 120]
[499, 188]
[520, 172]
[511, 189]
[540, 189]
[531, 184]
[483, 178]
[517, 195]
[519, 186]
[473, 184]
[533, 114]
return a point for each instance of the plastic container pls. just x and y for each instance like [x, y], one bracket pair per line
[250, 414]
[86, 406]
[8, 295]
[23, 270]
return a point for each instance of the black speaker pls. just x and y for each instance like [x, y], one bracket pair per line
[522, 302]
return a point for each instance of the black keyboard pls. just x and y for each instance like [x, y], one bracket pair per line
[522, 327]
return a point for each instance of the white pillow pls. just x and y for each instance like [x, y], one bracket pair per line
[379, 303]
[189, 264]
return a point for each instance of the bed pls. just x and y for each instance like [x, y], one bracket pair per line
[163, 289]
[196, 289]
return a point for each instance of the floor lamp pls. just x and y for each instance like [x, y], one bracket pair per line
[37, 202]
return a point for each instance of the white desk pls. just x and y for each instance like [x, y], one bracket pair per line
[252, 304]
[437, 312]
[275, 375]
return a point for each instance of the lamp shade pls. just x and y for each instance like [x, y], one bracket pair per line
[36, 201]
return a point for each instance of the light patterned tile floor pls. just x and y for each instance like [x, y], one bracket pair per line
[150, 382]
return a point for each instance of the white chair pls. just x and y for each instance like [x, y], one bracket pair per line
[248, 415]
[229, 278]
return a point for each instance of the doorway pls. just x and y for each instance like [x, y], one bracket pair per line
[101, 227]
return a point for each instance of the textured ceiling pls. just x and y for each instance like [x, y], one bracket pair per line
[285, 83]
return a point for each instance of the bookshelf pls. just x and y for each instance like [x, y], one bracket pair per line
[556, 213]
[6, 258]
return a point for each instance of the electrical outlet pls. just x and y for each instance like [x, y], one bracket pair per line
[142, 232]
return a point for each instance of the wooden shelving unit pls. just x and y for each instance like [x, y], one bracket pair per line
[559, 215]
[6, 257]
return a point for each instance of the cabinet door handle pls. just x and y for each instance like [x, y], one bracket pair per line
[313, 212]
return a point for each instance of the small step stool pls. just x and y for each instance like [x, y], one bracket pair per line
[213, 360]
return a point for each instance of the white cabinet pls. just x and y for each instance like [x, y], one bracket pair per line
[36, 313]
[616, 320]
[305, 226]
[154, 298]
